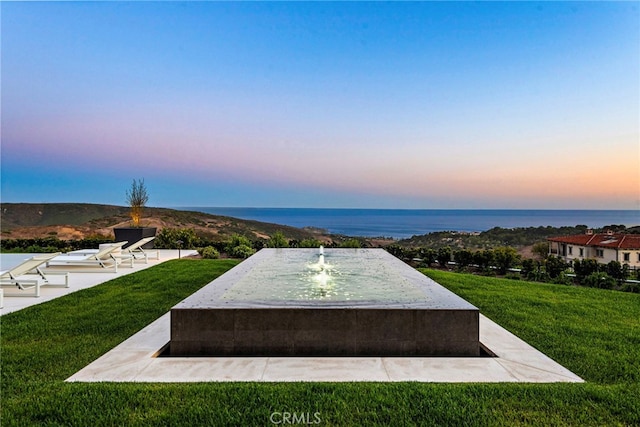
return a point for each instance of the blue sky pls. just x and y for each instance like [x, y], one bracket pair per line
[385, 105]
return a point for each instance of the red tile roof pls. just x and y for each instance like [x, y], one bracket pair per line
[615, 241]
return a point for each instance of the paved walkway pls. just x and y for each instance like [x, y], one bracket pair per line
[136, 360]
[78, 281]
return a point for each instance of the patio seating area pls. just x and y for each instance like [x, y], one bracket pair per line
[27, 277]
[77, 277]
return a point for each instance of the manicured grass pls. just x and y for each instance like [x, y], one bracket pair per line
[43, 345]
[593, 332]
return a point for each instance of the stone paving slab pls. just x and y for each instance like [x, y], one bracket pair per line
[446, 369]
[135, 361]
[333, 369]
[194, 369]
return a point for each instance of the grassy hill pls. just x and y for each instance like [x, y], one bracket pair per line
[81, 220]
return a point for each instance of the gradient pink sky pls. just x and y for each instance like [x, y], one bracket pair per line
[418, 105]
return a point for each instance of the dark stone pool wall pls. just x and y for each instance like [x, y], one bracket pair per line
[209, 324]
[324, 332]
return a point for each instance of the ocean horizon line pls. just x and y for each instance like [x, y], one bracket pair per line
[403, 223]
[403, 209]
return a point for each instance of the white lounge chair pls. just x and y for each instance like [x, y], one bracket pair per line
[104, 259]
[15, 276]
[118, 246]
[137, 252]
[134, 250]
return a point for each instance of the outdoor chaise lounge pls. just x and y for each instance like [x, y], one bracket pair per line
[104, 259]
[137, 252]
[134, 250]
[84, 252]
[15, 276]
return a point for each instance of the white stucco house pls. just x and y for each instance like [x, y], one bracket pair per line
[603, 247]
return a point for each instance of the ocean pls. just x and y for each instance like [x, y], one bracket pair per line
[404, 223]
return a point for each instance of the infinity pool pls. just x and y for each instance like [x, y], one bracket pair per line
[334, 302]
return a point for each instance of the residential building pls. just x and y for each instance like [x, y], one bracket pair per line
[603, 247]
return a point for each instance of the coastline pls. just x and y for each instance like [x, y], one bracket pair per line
[405, 223]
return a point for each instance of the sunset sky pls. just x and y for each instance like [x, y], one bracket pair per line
[371, 105]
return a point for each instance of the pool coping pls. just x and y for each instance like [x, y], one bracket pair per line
[136, 360]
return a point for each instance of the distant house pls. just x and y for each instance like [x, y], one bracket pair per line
[603, 247]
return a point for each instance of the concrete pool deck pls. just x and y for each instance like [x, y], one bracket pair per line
[13, 301]
[136, 360]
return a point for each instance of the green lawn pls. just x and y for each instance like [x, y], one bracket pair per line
[595, 333]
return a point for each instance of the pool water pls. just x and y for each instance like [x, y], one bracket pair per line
[338, 275]
[8, 261]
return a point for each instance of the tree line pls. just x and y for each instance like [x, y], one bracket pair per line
[236, 246]
[507, 262]
[503, 260]
[498, 236]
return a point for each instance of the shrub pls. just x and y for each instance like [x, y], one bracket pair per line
[538, 276]
[241, 251]
[444, 256]
[631, 287]
[528, 266]
[512, 276]
[277, 240]
[540, 250]
[168, 238]
[42, 249]
[463, 257]
[239, 247]
[237, 240]
[209, 253]
[618, 271]
[599, 280]
[137, 198]
[394, 249]
[532, 270]
[505, 258]
[562, 279]
[554, 266]
[483, 259]
[49, 244]
[585, 268]
[351, 243]
[428, 255]
[309, 243]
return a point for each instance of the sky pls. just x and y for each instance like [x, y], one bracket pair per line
[417, 105]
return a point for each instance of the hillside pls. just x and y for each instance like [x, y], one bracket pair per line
[521, 237]
[74, 221]
[80, 220]
[16, 215]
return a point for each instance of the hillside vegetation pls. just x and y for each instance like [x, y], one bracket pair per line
[497, 237]
[78, 221]
[16, 215]
[73, 221]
